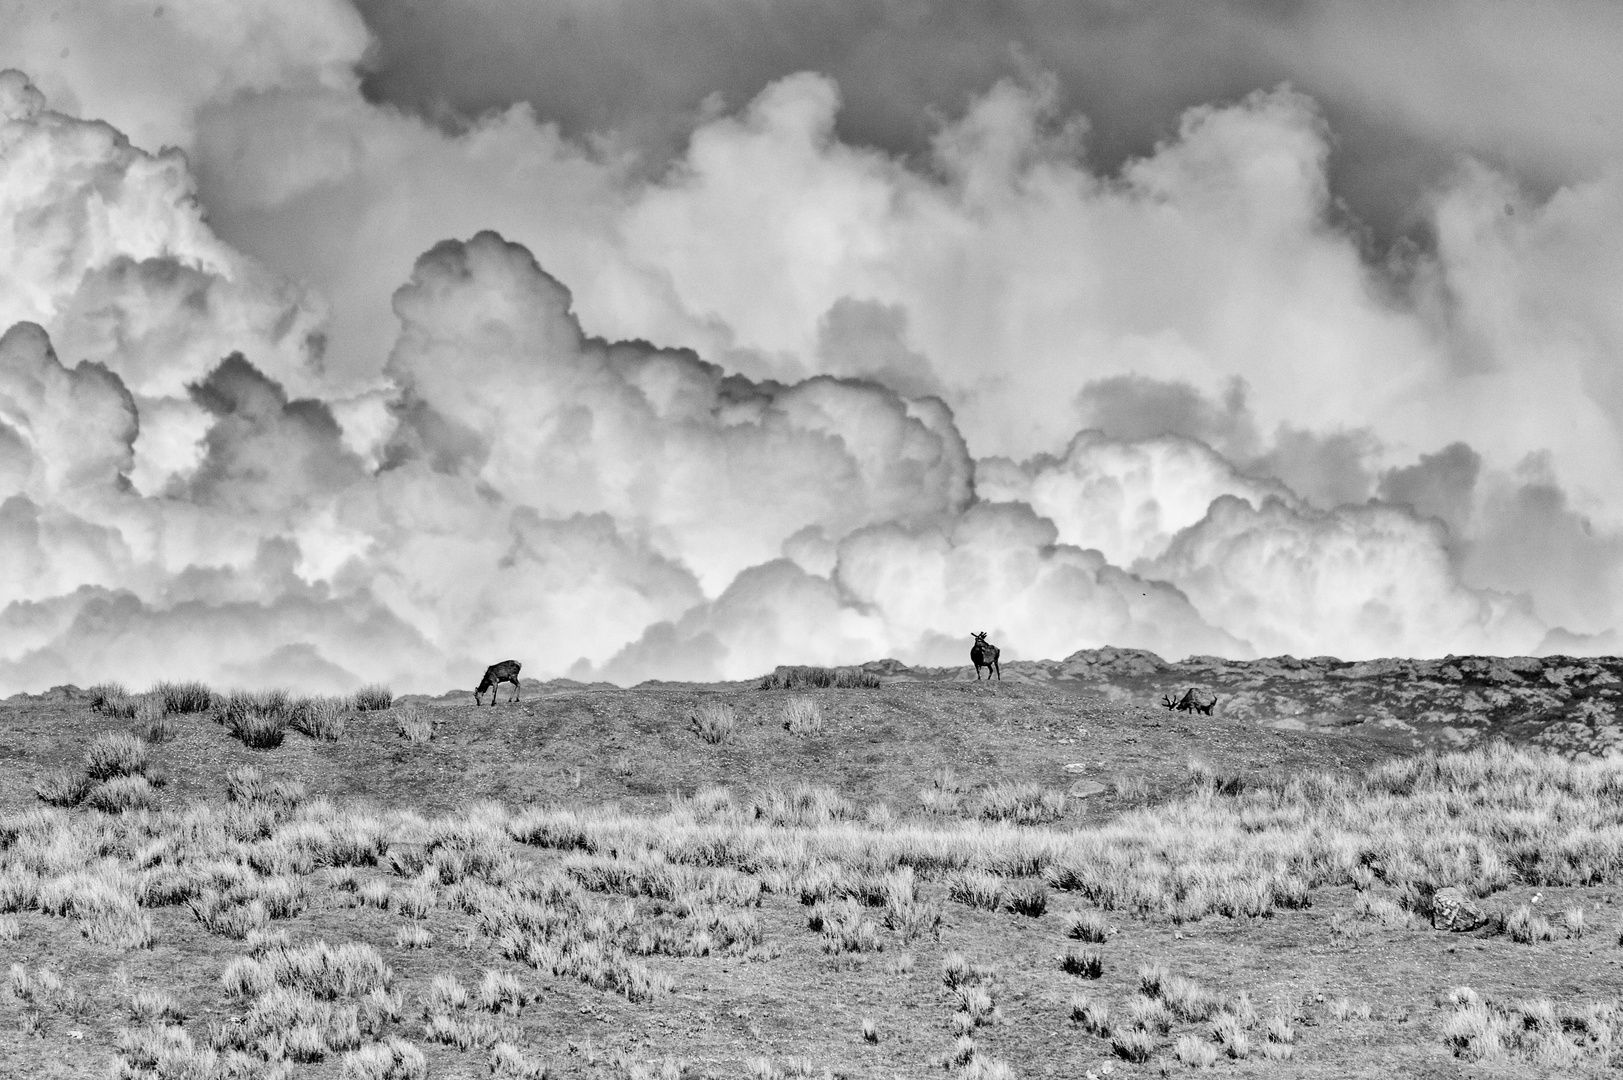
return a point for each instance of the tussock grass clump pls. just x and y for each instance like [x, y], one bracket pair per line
[714, 721]
[123, 793]
[111, 699]
[1087, 926]
[508, 1062]
[1084, 963]
[63, 787]
[1194, 1052]
[1189, 1000]
[802, 716]
[1093, 1016]
[115, 753]
[10, 929]
[248, 785]
[1344, 1009]
[154, 726]
[1151, 978]
[413, 937]
[843, 928]
[374, 698]
[1028, 898]
[392, 1059]
[180, 698]
[1150, 1014]
[792, 677]
[1024, 803]
[501, 991]
[1527, 928]
[1135, 1045]
[1575, 920]
[976, 889]
[153, 1006]
[413, 725]
[318, 717]
[258, 720]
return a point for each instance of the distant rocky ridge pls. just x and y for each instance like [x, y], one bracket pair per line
[1560, 703]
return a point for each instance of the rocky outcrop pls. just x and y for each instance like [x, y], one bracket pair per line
[1564, 703]
[1452, 910]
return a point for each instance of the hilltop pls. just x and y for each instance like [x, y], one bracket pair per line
[931, 877]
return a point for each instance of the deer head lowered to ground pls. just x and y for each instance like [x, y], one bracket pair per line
[983, 654]
[1194, 699]
[506, 671]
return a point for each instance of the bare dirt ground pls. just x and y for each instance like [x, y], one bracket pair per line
[789, 998]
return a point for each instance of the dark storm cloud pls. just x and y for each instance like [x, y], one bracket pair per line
[1407, 88]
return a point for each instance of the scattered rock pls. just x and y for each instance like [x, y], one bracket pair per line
[1453, 910]
[1076, 767]
[1082, 789]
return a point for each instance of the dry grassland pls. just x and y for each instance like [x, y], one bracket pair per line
[670, 882]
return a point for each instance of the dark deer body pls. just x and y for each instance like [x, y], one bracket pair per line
[1193, 700]
[506, 671]
[984, 655]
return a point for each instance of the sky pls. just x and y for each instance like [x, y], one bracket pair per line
[349, 342]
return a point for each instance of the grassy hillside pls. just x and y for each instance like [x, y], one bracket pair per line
[923, 878]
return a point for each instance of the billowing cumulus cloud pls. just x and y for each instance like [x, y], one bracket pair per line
[338, 392]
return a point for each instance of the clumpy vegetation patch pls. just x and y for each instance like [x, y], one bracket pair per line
[197, 906]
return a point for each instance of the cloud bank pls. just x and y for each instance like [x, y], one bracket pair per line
[335, 393]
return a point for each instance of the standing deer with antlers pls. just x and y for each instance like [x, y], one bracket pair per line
[983, 654]
[506, 671]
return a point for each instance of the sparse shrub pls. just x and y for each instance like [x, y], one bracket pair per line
[1029, 898]
[1024, 803]
[123, 793]
[412, 725]
[1087, 926]
[115, 753]
[1084, 963]
[374, 698]
[63, 787]
[715, 721]
[184, 697]
[1135, 1045]
[977, 889]
[1194, 1052]
[802, 716]
[318, 717]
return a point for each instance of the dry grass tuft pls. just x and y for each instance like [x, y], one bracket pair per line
[1087, 926]
[63, 787]
[374, 698]
[319, 717]
[179, 698]
[1026, 803]
[123, 793]
[115, 753]
[1084, 963]
[413, 725]
[802, 716]
[714, 721]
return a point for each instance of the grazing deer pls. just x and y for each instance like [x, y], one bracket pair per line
[984, 655]
[1192, 700]
[506, 671]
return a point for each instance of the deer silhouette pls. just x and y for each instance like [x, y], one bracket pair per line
[1193, 700]
[983, 654]
[506, 671]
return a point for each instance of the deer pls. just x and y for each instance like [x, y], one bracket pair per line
[983, 654]
[1193, 700]
[506, 671]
